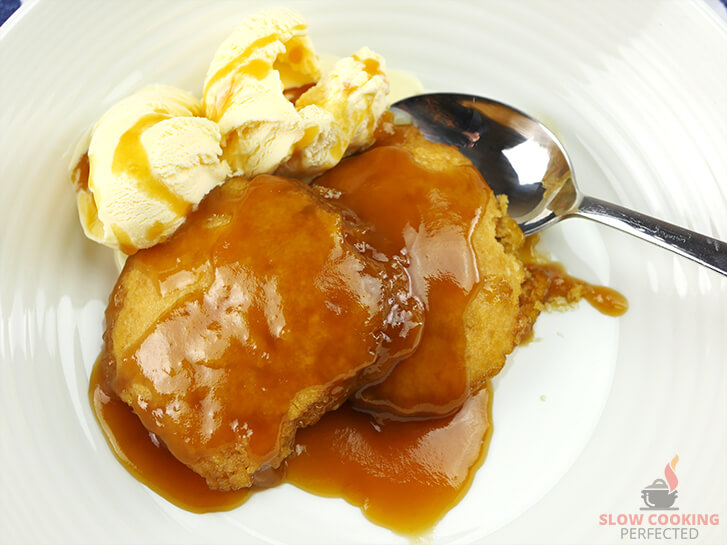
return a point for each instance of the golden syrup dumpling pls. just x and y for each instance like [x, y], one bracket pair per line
[427, 200]
[262, 312]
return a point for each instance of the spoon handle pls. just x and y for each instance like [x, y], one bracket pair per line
[708, 251]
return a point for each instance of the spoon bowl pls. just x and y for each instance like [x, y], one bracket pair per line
[522, 159]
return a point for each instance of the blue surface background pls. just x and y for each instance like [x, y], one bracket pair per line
[7, 7]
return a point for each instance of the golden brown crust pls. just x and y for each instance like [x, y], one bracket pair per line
[491, 318]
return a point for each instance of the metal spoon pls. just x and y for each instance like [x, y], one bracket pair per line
[521, 158]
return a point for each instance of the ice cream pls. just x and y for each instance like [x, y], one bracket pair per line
[145, 165]
[403, 84]
[153, 156]
[341, 113]
[243, 90]
[244, 93]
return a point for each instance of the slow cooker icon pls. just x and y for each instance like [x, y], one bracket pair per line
[657, 496]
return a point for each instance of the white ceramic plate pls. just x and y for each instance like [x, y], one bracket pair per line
[638, 93]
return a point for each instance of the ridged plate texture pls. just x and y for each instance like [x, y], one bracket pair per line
[585, 416]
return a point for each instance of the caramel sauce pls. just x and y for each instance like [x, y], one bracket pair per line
[529, 252]
[131, 157]
[295, 55]
[241, 66]
[155, 230]
[564, 288]
[371, 66]
[430, 216]
[404, 475]
[124, 240]
[258, 69]
[293, 94]
[147, 459]
[80, 174]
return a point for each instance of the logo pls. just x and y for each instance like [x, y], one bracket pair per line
[661, 494]
[658, 522]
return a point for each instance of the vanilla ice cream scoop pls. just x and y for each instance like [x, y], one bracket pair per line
[144, 167]
[243, 91]
[341, 111]
[259, 127]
